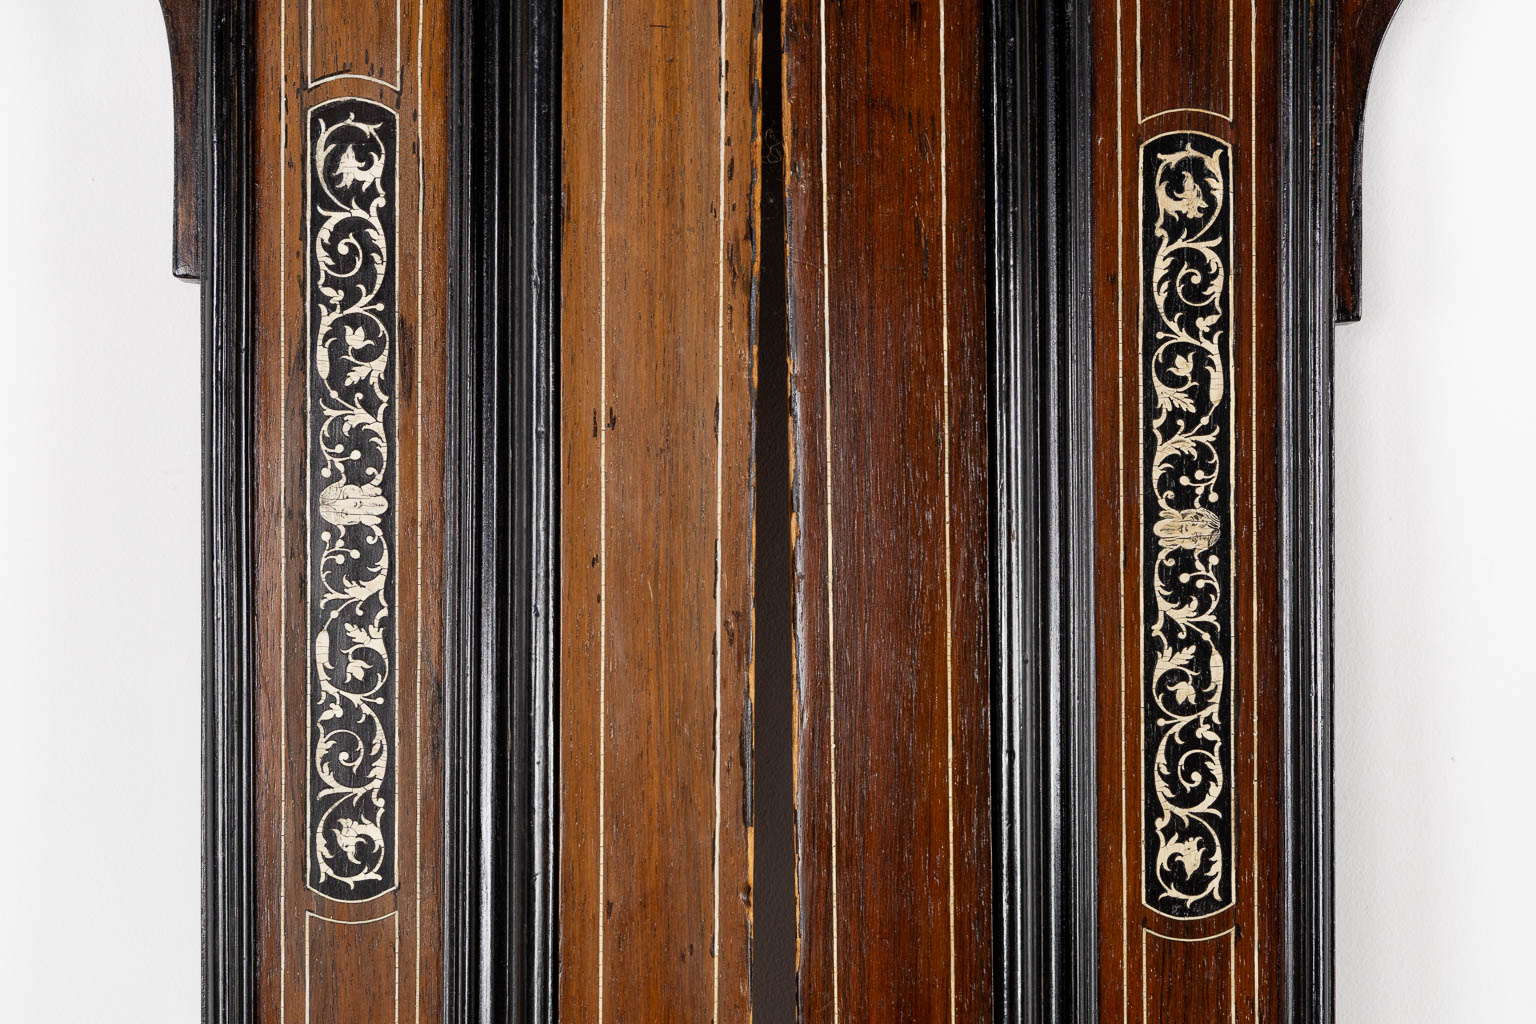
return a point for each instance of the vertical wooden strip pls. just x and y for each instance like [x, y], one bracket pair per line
[888, 396]
[658, 278]
[373, 995]
[1186, 381]
[387, 185]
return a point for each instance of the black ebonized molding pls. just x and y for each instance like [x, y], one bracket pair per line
[1045, 820]
[1305, 441]
[501, 528]
[229, 925]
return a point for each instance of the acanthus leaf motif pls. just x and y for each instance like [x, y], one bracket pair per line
[351, 390]
[1186, 506]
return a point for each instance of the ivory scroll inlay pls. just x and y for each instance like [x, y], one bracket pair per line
[350, 399]
[1186, 511]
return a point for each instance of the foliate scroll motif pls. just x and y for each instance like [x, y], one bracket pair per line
[1186, 512]
[350, 284]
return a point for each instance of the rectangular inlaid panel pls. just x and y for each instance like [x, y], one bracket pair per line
[349, 271]
[888, 346]
[1186, 385]
[658, 268]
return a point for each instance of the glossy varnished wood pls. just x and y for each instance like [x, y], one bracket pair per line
[659, 264]
[883, 116]
[319, 960]
[1164, 66]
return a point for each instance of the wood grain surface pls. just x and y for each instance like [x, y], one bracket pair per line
[321, 960]
[1362, 25]
[182, 25]
[659, 264]
[887, 345]
[1156, 961]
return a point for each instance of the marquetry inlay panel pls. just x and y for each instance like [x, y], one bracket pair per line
[1186, 380]
[349, 141]
[352, 324]
[1187, 454]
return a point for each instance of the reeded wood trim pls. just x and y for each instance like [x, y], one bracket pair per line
[657, 369]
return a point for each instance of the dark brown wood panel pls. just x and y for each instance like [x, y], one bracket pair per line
[888, 391]
[1186, 385]
[363, 38]
[1191, 68]
[318, 961]
[657, 394]
[1206, 966]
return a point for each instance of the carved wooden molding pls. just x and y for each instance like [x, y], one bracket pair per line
[484, 310]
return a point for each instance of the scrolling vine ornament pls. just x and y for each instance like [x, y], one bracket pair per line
[1185, 359]
[351, 437]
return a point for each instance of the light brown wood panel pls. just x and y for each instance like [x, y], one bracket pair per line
[888, 343]
[659, 265]
[318, 963]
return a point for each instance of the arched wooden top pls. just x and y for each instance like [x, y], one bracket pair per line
[1362, 25]
[181, 27]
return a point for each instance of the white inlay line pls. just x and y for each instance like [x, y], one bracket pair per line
[949, 660]
[826, 355]
[421, 248]
[602, 527]
[719, 461]
[282, 505]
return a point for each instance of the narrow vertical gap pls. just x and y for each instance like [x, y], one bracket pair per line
[773, 796]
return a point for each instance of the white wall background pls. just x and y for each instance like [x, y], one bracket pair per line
[99, 530]
[1436, 513]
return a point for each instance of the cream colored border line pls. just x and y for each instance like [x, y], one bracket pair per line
[309, 54]
[602, 524]
[826, 412]
[1125, 918]
[949, 645]
[1253, 475]
[421, 247]
[719, 469]
[310, 916]
[282, 505]
[1231, 72]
